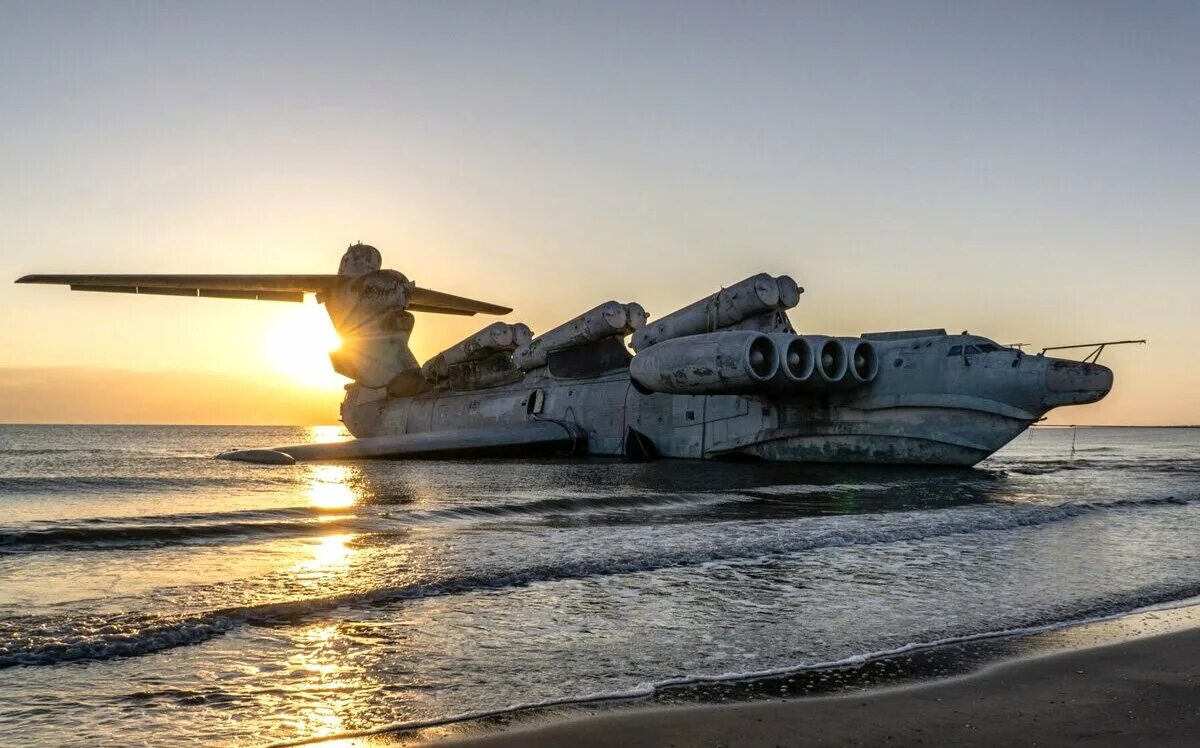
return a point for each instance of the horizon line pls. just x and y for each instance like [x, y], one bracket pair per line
[338, 423]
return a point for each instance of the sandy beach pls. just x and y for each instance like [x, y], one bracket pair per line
[1141, 692]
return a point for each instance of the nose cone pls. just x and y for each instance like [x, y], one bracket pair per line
[1076, 382]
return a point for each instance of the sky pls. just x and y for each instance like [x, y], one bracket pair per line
[1027, 171]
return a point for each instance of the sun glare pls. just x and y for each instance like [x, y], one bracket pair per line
[328, 488]
[298, 345]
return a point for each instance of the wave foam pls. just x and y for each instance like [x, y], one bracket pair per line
[39, 640]
[1178, 598]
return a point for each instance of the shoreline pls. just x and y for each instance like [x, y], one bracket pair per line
[673, 713]
[1139, 692]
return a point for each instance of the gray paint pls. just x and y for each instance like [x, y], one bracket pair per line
[923, 398]
[923, 407]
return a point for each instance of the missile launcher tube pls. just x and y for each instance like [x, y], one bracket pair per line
[752, 296]
[635, 317]
[521, 334]
[715, 363]
[606, 320]
[789, 291]
[497, 336]
[773, 321]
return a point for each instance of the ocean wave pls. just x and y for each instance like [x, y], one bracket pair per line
[154, 531]
[1143, 465]
[93, 483]
[44, 451]
[128, 533]
[570, 504]
[127, 536]
[806, 489]
[1146, 600]
[32, 640]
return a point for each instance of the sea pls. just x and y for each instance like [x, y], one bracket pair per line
[152, 595]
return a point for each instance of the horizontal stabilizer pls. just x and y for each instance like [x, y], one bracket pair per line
[256, 287]
[522, 439]
[425, 300]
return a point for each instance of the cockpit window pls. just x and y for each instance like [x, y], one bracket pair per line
[959, 350]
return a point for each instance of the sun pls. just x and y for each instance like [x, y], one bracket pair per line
[298, 345]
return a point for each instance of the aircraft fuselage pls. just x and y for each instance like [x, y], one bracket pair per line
[930, 404]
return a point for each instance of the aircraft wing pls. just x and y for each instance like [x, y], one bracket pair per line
[259, 287]
[262, 287]
[527, 437]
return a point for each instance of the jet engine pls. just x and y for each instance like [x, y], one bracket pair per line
[797, 361]
[716, 363]
[832, 365]
[813, 364]
[862, 360]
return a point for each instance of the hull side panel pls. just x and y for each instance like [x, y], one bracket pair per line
[716, 426]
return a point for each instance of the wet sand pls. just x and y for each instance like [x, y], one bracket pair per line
[1144, 692]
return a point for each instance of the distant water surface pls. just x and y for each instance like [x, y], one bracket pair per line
[151, 594]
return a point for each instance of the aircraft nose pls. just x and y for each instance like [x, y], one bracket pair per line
[1076, 382]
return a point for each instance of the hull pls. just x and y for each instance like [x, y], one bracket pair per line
[725, 377]
[863, 443]
[929, 405]
[609, 410]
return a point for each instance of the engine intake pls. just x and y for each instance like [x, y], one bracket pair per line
[862, 359]
[831, 362]
[812, 364]
[797, 361]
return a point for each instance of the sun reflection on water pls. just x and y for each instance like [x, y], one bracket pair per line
[328, 487]
[328, 567]
[331, 551]
[323, 680]
[328, 433]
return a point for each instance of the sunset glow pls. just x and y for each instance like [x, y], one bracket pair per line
[298, 345]
[851, 159]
